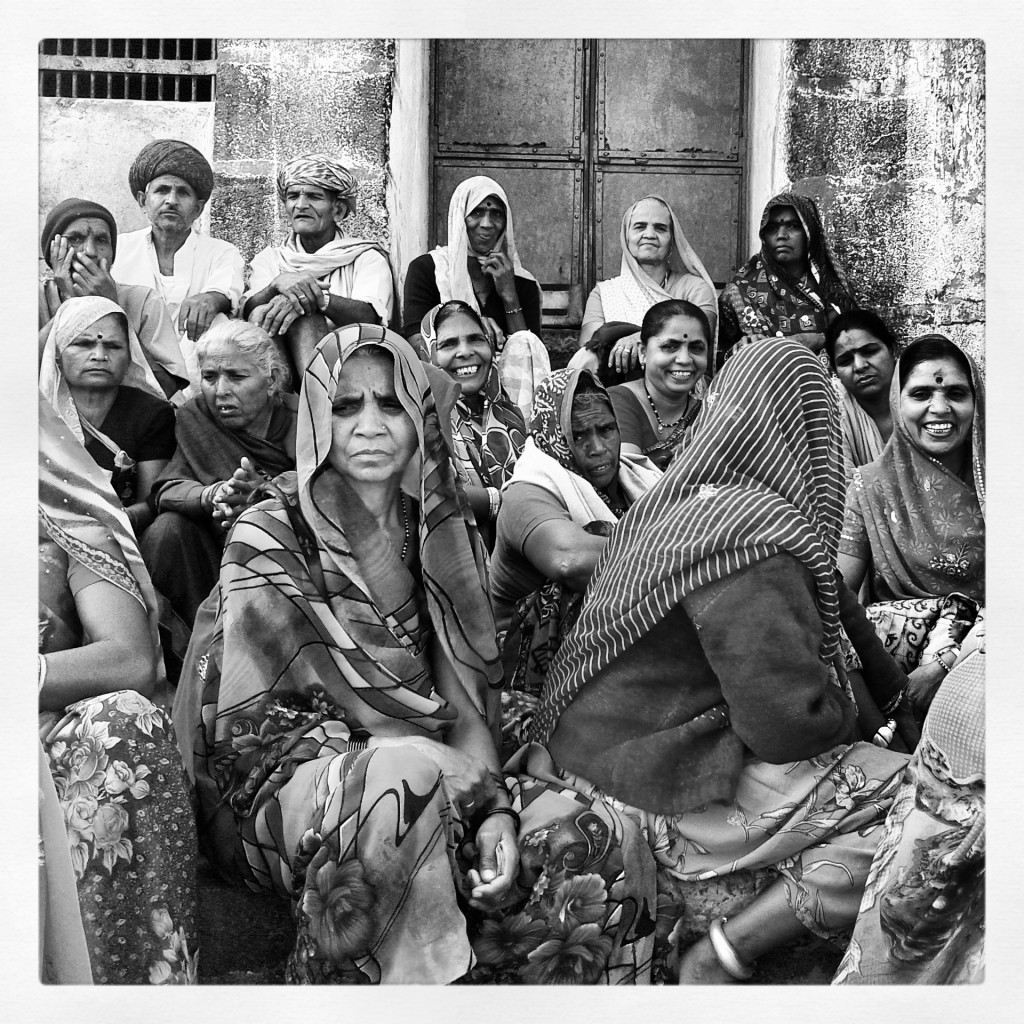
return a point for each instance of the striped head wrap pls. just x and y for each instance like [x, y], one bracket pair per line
[761, 476]
[171, 156]
[322, 171]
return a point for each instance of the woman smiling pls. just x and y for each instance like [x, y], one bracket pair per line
[489, 429]
[655, 411]
[915, 518]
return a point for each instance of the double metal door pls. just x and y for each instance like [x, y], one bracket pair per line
[576, 130]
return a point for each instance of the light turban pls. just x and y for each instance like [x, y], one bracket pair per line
[322, 171]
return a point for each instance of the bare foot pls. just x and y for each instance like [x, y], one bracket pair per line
[700, 966]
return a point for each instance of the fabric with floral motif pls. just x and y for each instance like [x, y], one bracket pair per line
[920, 526]
[922, 918]
[286, 676]
[760, 298]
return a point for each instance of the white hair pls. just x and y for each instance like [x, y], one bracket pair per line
[250, 341]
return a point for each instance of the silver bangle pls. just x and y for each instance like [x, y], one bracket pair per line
[494, 500]
[42, 671]
[726, 952]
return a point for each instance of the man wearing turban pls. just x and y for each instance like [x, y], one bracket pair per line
[319, 279]
[78, 242]
[199, 278]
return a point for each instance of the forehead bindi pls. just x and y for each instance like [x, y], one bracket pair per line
[784, 215]
[937, 373]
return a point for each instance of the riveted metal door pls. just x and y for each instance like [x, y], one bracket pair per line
[576, 130]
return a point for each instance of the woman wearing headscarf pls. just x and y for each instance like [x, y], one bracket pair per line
[109, 746]
[567, 491]
[658, 263]
[488, 427]
[237, 432]
[698, 690]
[922, 919]
[915, 519]
[792, 288]
[198, 277]
[79, 243]
[334, 713]
[96, 377]
[319, 278]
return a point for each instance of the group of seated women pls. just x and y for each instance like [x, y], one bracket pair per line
[475, 661]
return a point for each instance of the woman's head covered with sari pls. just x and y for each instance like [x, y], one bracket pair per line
[499, 431]
[831, 281]
[761, 476]
[450, 552]
[451, 269]
[551, 425]
[925, 524]
[74, 317]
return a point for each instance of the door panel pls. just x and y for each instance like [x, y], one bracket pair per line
[670, 99]
[511, 96]
[706, 202]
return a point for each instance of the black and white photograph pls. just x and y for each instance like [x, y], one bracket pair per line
[512, 507]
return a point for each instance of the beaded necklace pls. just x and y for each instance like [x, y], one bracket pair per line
[662, 425]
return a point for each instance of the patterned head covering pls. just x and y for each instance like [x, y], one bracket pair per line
[551, 425]
[70, 210]
[73, 317]
[171, 156]
[75, 493]
[450, 551]
[488, 443]
[324, 172]
[762, 475]
[828, 274]
[451, 270]
[925, 526]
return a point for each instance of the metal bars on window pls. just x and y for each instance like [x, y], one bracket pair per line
[171, 70]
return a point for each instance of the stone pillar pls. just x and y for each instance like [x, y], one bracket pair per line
[889, 136]
[278, 98]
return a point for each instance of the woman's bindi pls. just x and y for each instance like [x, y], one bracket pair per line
[938, 378]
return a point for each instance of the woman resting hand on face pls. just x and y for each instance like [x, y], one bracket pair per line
[337, 709]
[489, 429]
[915, 518]
[655, 411]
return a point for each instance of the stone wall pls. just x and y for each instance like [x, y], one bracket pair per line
[278, 98]
[889, 137]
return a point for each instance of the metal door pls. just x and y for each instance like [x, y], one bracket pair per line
[576, 130]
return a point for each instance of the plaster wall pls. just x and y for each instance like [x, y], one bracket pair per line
[889, 136]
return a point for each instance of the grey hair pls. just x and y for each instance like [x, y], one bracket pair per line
[251, 341]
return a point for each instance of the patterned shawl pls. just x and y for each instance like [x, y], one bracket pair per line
[925, 526]
[281, 665]
[451, 269]
[75, 493]
[73, 317]
[761, 476]
[760, 299]
[549, 460]
[488, 443]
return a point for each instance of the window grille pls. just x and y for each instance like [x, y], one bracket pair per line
[179, 70]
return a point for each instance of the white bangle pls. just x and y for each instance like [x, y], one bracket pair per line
[726, 952]
[494, 499]
[42, 672]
